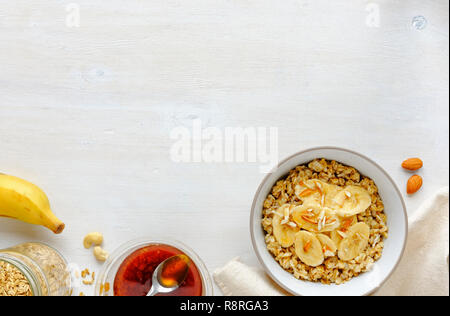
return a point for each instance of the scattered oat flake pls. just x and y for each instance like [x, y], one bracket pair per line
[85, 273]
[91, 281]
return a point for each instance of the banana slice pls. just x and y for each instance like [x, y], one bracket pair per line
[331, 191]
[283, 230]
[314, 218]
[347, 222]
[341, 232]
[328, 246]
[308, 249]
[351, 201]
[337, 237]
[355, 242]
[309, 190]
[317, 191]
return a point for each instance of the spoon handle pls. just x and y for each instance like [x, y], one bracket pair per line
[152, 291]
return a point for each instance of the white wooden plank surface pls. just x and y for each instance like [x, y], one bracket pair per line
[86, 112]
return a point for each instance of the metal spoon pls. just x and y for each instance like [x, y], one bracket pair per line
[165, 281]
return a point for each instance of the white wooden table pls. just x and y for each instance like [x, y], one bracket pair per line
[86, 112]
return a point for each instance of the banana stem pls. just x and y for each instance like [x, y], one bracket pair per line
[54, 224]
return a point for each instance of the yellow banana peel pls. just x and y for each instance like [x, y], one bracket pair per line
[24, 201]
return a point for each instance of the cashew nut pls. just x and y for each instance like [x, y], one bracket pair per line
[100, 254]
[92, 238]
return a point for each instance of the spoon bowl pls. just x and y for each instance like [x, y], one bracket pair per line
[169, 275]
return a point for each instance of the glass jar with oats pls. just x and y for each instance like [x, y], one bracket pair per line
[33, 269]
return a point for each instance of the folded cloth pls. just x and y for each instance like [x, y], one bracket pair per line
[238, 279]
[422, 271]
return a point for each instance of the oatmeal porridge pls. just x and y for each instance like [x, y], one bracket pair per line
[325, 222]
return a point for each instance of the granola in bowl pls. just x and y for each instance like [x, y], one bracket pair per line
[325, 222]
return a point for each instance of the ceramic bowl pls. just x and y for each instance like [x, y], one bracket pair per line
[395, 209]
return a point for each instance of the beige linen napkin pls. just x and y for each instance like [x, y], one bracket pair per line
[238, 279]
[422, 271]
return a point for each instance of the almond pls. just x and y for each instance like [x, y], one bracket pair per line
[414, 184]
[412, 164]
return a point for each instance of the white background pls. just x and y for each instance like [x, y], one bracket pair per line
[86, 112]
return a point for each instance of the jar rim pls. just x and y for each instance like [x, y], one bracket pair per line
[34, 282]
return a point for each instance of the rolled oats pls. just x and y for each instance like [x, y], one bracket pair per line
[12, 281]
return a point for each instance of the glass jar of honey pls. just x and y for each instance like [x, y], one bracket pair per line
[33, 269]
[129, 270]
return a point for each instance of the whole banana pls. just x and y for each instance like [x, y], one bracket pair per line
[24, 201]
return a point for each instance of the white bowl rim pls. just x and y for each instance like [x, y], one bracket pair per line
[258, 192]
